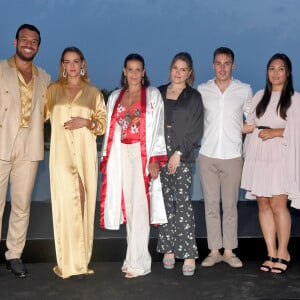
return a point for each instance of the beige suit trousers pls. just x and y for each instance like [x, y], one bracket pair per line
[138, 259]
[221, 176]
[22, 173]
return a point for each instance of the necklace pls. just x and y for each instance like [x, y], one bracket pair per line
[175, 91]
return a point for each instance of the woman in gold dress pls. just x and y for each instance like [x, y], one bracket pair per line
[77, 113]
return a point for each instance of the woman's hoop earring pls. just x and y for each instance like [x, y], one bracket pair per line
[143, 80]
[64, 73]
[82, 72]
[125, 80]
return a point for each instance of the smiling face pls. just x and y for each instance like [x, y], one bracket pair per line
[72, 64]
[223, 66]
[277, 74]
[134, 72]
[179, 72]
[27, 44]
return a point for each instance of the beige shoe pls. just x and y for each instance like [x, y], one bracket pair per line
[211, 260]
[233, 261]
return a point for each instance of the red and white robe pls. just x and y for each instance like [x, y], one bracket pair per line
[153, 148]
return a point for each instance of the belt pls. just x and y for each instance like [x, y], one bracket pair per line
[263, 127]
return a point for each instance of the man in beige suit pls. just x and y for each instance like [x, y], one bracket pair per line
[22, 98]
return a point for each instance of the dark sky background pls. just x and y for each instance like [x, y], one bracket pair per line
[107, 30]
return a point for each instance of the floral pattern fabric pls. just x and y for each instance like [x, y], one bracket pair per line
[178, 235]
[129, 120]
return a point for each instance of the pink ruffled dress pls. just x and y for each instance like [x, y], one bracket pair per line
[265, 164]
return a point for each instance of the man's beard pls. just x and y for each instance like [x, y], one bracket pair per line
[24, 58]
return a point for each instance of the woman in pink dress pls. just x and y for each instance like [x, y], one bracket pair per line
[265, 166]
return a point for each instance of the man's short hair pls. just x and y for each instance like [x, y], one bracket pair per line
[29, 27]
[224, 50]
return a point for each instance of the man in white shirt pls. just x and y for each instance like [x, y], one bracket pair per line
[220, 158]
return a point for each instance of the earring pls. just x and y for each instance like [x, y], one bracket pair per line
[82, 72]
[125, 80]
[143, 80]
[64, 73]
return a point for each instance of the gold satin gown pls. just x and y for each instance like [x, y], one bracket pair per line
[73, 153]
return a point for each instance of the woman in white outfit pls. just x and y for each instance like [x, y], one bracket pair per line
[133, 150]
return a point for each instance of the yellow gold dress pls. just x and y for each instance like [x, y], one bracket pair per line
[73, 153]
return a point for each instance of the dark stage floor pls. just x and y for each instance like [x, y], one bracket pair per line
[218, 282]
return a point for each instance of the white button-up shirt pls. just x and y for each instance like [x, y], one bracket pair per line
[223, 118]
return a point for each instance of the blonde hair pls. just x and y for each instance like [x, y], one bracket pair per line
[84, 77]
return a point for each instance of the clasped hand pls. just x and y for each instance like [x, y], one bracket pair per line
[266, 134]
[76, 123]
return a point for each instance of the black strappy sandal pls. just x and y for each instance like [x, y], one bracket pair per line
[281, 261]
[268, 268]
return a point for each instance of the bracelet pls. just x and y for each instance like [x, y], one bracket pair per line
[179, 152]
[93, 125]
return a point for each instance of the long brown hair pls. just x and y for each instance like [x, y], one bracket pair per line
[187, 58]
[138, 57]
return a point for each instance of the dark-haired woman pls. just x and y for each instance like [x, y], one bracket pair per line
[77, 113]
[133, 150]
[265, 167]
[183, 131]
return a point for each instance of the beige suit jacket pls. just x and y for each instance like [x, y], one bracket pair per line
[10, 112]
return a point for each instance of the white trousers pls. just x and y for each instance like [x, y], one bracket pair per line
[138, 259]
